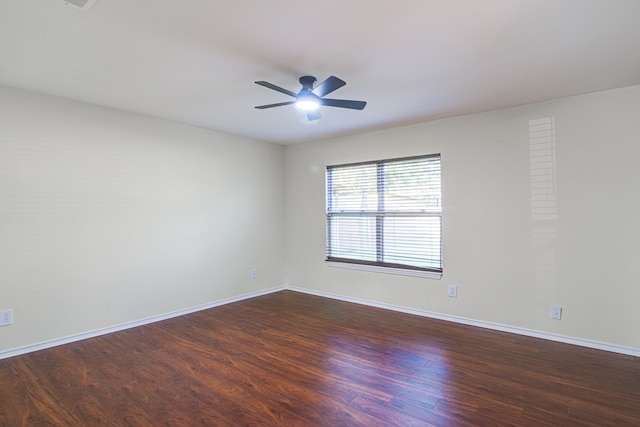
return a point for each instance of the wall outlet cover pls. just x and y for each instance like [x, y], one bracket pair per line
[6, 317]
[453, 291]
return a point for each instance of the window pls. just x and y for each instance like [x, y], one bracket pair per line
[386, 216]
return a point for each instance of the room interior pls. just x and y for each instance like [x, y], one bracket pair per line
[139, 183]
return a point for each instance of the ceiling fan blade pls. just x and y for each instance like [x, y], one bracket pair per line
[329, 85]
[343, 103]
[313, 115]
[278, 88]
[279, 104]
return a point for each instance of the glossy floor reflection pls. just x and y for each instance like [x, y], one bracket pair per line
[291, 359]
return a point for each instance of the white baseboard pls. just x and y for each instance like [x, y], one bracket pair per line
[456, 319]
[479, 323]
[90, 334]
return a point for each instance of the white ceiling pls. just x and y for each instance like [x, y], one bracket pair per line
[195, 61]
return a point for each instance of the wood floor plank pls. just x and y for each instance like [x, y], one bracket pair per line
[292, 359]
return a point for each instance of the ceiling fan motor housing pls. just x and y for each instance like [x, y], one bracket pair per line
[307, 81]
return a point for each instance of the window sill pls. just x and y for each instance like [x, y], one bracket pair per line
[387, 270]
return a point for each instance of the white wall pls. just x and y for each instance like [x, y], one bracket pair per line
[108, 217]
[510, 262]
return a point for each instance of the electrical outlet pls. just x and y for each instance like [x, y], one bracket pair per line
[453, 291]
[6, 317]
[556, 312]
[254, 273]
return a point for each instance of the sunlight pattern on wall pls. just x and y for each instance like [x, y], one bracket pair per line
[544, 204]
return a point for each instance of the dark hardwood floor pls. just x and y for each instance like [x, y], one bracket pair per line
[291, 359]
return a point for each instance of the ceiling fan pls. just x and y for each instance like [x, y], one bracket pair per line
[310, 98]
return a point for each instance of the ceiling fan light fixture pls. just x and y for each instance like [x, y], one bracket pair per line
[307, 104]
[306, 100]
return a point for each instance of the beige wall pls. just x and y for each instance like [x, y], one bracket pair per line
[108, 217]
[510, 262]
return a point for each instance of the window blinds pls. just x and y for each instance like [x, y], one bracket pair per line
[386, 213]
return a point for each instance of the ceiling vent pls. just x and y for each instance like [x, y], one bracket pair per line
[83, 5]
